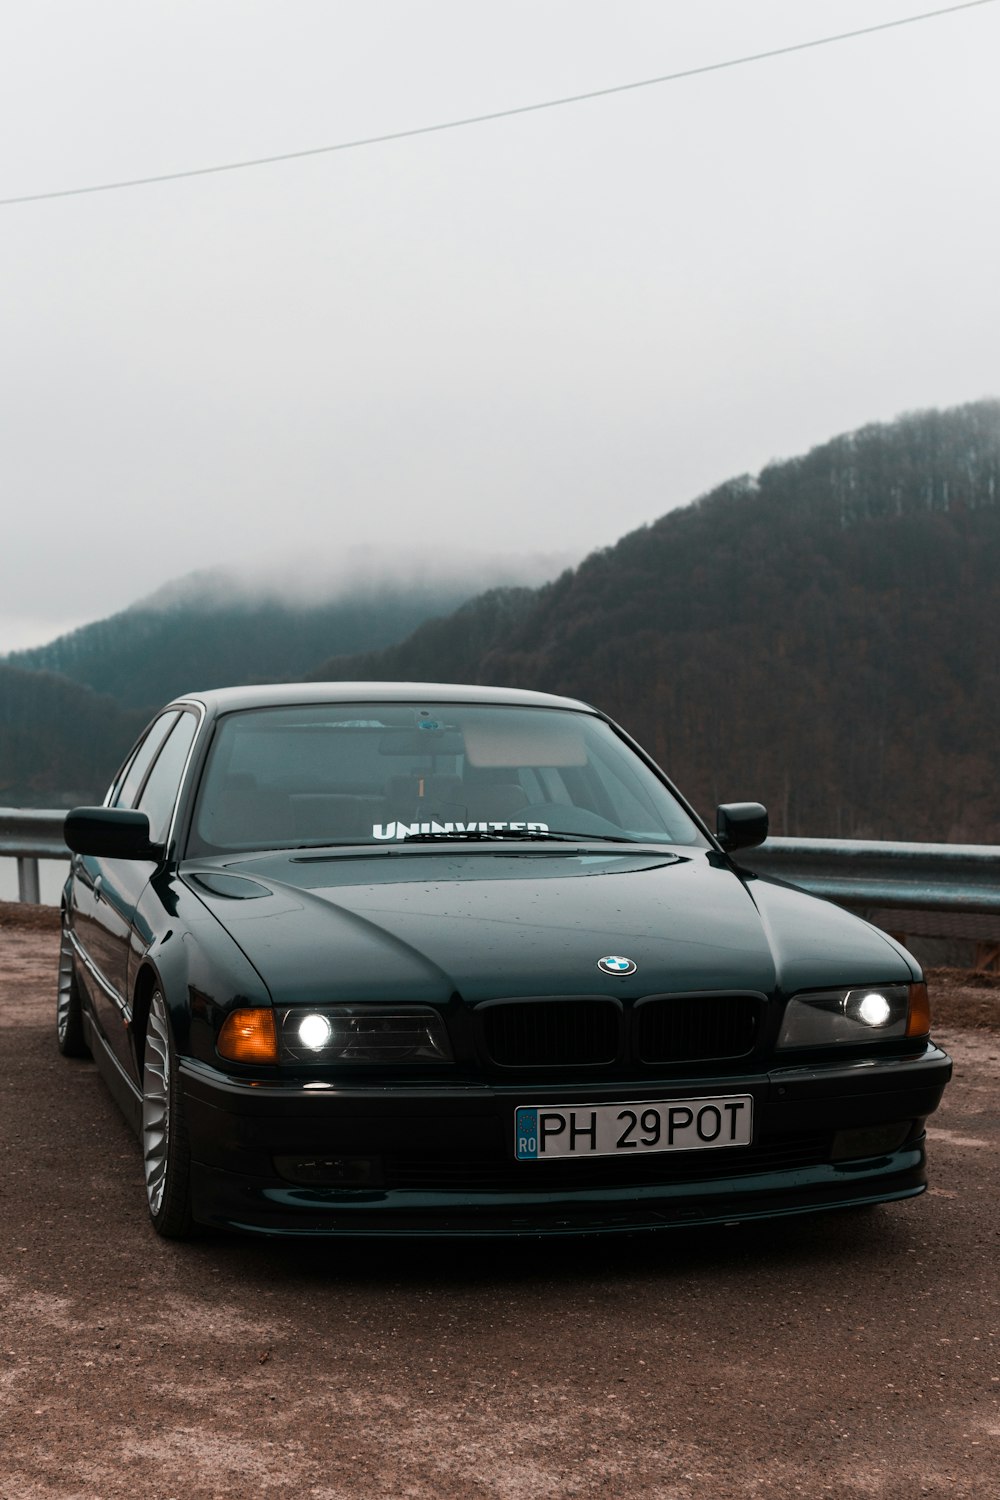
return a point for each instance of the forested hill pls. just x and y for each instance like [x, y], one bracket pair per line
[824, 638]
[462, 641]
[70, 710]
[209, 634]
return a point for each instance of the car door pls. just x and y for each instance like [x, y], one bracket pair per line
[96, 901]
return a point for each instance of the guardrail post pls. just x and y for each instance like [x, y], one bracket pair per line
[28, 888]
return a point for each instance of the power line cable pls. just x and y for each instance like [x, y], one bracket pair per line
[498, 114]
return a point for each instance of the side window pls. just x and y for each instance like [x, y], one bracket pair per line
[143, 759]
[160, 792]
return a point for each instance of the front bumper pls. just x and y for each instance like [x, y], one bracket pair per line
[440, 1158]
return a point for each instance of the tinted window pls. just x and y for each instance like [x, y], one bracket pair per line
[143, 759]
[160, 792]
[372, 773]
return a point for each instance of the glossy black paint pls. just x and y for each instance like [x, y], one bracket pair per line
[489, 921]
[740, 825]
[456, 927]
[109, 832]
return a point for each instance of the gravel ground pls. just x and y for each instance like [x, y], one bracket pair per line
[846, 1355]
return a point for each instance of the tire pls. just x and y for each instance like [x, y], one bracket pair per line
[70, 1038]
[166, 1155]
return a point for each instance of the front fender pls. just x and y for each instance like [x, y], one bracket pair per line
[182, 949]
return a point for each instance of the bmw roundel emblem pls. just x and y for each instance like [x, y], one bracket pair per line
[614, 963]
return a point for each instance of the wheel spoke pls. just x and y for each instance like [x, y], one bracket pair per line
[64, 999]
[156, 1103]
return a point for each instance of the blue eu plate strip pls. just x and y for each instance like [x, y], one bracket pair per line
[526, 1135]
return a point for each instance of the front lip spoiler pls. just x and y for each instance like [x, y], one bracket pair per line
[228, 1201]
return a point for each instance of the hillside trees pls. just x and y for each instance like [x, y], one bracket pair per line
[824, 638]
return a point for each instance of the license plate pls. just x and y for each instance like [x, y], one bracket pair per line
[546, 1130]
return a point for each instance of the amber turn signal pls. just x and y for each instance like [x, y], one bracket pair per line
[249, 1036]
[918, 1020]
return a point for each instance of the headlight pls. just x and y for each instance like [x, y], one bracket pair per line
[876, 1012]
[365, 1034]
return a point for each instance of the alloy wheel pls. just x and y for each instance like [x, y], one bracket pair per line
[70, 1036]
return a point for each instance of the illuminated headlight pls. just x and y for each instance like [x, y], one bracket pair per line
[873, 1009]
[365, 1034]
[875, 1012]
[314, 1031]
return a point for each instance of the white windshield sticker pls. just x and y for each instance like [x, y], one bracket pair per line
[406, 830]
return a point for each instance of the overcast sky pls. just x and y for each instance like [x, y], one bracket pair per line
[532, 334]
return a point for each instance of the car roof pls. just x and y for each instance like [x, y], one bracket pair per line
[288, 694]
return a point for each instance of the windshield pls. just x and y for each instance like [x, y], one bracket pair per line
[384, 774]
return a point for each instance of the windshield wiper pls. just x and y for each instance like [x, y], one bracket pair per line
[325, 844]
[474, 836]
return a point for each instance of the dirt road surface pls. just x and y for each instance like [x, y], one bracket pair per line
[845, 1356]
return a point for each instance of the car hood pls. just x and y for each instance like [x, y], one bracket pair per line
[427, 925]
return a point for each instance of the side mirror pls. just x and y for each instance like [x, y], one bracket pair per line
[740, 825]
[114, 832]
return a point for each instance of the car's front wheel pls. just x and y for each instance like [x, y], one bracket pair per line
[70, 1037]
[166, 1156]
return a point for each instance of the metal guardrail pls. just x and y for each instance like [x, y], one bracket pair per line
[29, 834]
[853, 872]
[873, 873]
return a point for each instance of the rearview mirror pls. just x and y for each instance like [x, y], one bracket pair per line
[740, 825]
[112, 832]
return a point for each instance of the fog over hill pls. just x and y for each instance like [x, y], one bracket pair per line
[219, 626]
[306, 581]
[69, 710]
[823, 637]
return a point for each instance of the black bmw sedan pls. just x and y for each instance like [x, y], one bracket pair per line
[368, 958]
